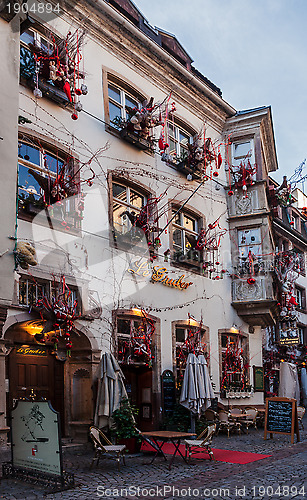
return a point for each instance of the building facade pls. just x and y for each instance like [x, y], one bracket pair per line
[134, 218]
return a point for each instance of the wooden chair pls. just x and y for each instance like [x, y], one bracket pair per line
[300, 413]
[251, 419]
[194, 446]
[226, 423]
[113, 451]
[212, 417]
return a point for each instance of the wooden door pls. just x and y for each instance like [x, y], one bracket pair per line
[42, 373]
[139, 388]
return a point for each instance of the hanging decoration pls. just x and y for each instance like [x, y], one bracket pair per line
[281, 195]
[234, 370]
[59, 313]
[241, 175]
[209, 241]
[139, 347]
[25, 255]
[287, 268]
[58, 66]
[140, 122]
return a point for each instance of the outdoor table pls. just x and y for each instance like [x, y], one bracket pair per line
[239, 418]
[164, 436]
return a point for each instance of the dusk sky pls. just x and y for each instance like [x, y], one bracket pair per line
[255, 51]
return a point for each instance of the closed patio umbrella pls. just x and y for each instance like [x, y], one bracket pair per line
[196, 389]
[288, 381]
[111, 389]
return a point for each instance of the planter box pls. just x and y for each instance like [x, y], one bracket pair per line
[185, 169]
[136, 140]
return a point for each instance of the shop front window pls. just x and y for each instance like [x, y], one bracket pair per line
[134, 336]
[235, 367]
[189, 339]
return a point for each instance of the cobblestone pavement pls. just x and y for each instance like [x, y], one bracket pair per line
[281, 476]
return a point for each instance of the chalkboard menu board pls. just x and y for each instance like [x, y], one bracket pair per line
[281, 417]
[168, 391]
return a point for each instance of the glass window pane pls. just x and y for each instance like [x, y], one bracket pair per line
[189, 223]
[177, 219]
[28, 184]
[27, 37]
[23, 292]
[121, 222]
[136, 199]
[52, 163]
[184, 138]
[243, 149]
[132, 103]
[119, 192]
[123, 326]
[177, 238]
[29, 153]
[172, 146]
[46, 46]
[114, 93]
[180, 334]
[115, 111]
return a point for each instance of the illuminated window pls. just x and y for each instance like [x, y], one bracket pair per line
[126, 200]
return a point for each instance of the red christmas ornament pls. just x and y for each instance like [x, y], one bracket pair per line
[215, 174]
[251, 281]
[74, 116]
[78, 92]
[230, 193]
[219, 160]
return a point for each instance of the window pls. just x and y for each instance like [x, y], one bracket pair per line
[300, 297]
[31, 291]
[189, 338]
[249, 241]
[127, 202]
[241, 152]
[296, 222]
[234, 369]
[178, 140]
[301, 334]
[118, 100]
[185, 229]
[134, 337]
[31, 37]
[38, 170]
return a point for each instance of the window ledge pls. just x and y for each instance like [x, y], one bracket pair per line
[49, 91]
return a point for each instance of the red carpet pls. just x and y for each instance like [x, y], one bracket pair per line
[230, 456]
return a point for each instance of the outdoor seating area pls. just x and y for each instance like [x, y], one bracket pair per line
[104, 447]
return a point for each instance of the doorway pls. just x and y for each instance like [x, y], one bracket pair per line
[139, 389]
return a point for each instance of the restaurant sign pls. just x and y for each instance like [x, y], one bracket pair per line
[26, 350]
[158, 274]
[288, 335]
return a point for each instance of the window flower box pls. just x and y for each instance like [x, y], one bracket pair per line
[137, 140]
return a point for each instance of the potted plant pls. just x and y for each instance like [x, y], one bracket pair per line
[124, 426]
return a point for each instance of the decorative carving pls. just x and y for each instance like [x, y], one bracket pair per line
[243, 203]
[245, 291]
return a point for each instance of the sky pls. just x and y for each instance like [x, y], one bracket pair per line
[255, 51]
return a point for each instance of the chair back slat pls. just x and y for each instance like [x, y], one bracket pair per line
[95, 436]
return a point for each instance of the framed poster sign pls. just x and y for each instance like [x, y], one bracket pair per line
[281, 417]
[168, 391]
[258, 379]
[36, 437]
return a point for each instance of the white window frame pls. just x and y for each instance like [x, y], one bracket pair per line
[183, 230]
[126, 204]
[122, 104]
[37, 38]
[251, 245]
[176, 138]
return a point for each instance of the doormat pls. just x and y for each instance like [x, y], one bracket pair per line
[229, 456]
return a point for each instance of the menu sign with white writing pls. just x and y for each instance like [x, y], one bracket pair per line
[281, 417]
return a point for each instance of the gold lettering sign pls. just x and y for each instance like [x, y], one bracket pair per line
[159, 275]
[31, 351]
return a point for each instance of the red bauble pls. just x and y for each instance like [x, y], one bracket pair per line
[251, 281]
[215, 174]
[230, 193]
[78, 92]
[74, 116]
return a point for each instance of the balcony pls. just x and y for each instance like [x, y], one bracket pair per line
[254, 300]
